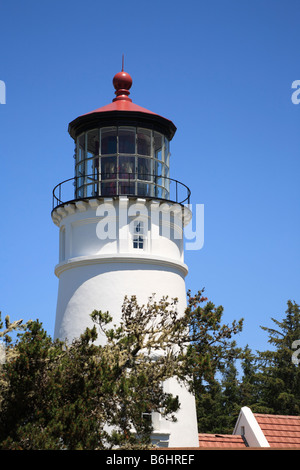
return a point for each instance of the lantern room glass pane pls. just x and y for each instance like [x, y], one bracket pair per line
[159, 192]
[144, 168]
[108, 167]
[126, 140]
[157, 141]
[92, 143]
[79, 193]
[91, 190]
[166, 146]
[167, 152]
[158, 168]
[159, 180]
[126, 167]
[80, 147]
[145, 189]
[108, 189]
[80, 169]
[90, 166]
[109, 141]
[126, 187]
[144, 142]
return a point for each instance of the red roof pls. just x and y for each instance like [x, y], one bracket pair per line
[221, 441]
[121, 105]
[122, 82]
[122, 109]
[280, 431]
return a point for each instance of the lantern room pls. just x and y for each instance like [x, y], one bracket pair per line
[122, 160]
[121, 149]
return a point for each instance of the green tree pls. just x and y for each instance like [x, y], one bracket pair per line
[209, 399]
[91, 396]
[65, 397]
[231, 397]
[210, 352]
[221, 400]
[279, 375]
[249, 387]
[211, 341]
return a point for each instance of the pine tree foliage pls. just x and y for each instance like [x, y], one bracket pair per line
[209, 356]
[268, 381]
[92, 396]
[87, 396]
[279, 375]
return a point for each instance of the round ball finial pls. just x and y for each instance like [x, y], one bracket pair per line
[122, 82]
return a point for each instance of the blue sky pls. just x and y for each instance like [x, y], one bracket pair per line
[222, 71]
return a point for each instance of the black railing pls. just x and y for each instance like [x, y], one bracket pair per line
[119, 184]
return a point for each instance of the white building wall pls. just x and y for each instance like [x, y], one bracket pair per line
[248, 427]
[101, 283]
[99, 267]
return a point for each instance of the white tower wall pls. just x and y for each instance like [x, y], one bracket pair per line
[99, 265]
[88, 283]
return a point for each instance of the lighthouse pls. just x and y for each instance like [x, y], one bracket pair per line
[121, 220]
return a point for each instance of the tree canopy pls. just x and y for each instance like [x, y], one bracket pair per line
[266, 381]
[91, 395]
[94, 394]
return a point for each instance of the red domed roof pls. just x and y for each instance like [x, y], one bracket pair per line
[121, 107]
[122, 82]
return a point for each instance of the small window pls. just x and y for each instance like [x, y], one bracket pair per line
[147, 418]
[138, 235]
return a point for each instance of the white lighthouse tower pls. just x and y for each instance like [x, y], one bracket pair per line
[121, 221]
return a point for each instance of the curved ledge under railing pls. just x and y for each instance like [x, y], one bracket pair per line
[119, 184]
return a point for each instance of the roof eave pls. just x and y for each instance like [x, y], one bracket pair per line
[116, 117]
